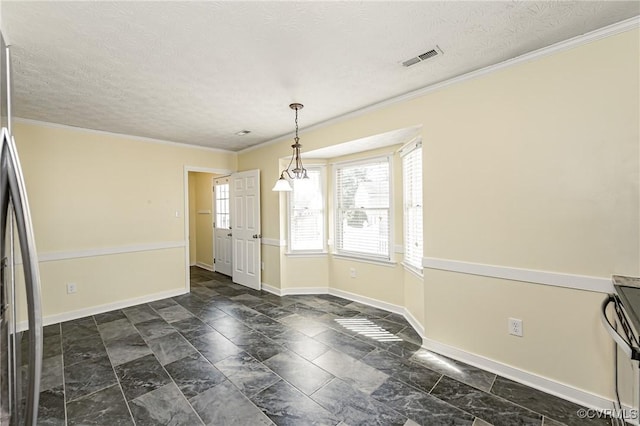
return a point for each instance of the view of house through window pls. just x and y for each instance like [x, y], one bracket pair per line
[363, 193]
[306, 213]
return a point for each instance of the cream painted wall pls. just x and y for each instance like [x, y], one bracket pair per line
[414, 296]
[310, 272]
[93, 191]
[204, 219]
[534, 166]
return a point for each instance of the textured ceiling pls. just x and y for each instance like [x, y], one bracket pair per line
[198, 72]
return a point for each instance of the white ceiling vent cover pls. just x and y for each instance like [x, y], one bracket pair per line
[423, 57]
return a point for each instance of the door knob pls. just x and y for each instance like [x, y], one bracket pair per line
[229, 234]
[257, 236]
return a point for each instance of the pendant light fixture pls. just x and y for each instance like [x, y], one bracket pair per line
[298, 172]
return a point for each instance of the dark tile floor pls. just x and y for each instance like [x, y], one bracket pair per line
[228, 355]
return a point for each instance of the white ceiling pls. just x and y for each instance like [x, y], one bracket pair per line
[198, 72]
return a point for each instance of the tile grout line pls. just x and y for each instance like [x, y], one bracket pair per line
[163, 366]
[64, 386]
[436, 384]
[196, 351]
[113, 368]
[493, 382]
[182, 394]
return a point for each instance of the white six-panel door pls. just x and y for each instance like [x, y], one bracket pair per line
[245, 240]
[222, 231]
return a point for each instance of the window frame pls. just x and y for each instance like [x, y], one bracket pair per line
[388, 259]
[323, 193]
[406, 150]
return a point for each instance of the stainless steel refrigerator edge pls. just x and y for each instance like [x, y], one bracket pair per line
[19, 395]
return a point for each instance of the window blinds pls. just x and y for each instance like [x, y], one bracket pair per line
[306, 213]
[412, 189]
[363, 208]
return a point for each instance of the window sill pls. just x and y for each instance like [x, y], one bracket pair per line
[415, 271]
[307, 254]
[381, 262]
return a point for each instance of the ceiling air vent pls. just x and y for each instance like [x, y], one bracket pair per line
[423, 57]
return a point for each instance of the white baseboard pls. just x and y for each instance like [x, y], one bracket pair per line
[271, 289]
[99, 309]
[535, 381]
[419, 328]
[368, 301]
[204, 266]
[290, 291]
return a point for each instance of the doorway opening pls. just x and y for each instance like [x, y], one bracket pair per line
[222, 224]
[198, 216]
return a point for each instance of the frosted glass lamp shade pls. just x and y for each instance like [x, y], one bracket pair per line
[282, 185]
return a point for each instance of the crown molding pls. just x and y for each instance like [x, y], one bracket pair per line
[599, 34]
[119, 135]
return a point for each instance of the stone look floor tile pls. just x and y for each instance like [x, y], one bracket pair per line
[286, 405]
[496, 411]
[220, 347]
[106, 407]
[194, 374]
[405, 371]
[257, 344]
[51, 407]
[354, 407]
[228, 326]
[154, 328]
[191, 326]
[87, 377]
[79, 329]
[174, 313]
[141, 376]
[163, 303]
[140, 313]
[352, 347]
[127, 349]
[248, 374]
[304, 325]
[171, 347]
[214, 346]
[352, 371]
[296, 370]
[109, 316]
[301, 344]
[116, 329]
[420, 406]
[163, 406]
[83, 350]
[540, 402]
[224, 404]
[272, 311]
[460, 371]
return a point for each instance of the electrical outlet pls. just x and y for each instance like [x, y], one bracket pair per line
[352, 272]
[515, 327]
[71, 288]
